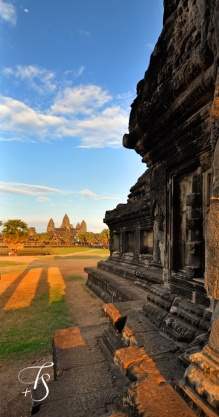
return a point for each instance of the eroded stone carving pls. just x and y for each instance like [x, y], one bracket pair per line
[172, 214]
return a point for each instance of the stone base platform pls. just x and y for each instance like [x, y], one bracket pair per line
[135, 377]
[111, 288]
[87, 383]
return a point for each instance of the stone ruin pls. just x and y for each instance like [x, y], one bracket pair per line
[165, 240]
[161, 280]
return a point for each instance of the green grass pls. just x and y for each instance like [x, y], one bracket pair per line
[34, 251]
[11, 263]
[97, 257]
[72, 250]
[101, 251]
[37, 251]
[90, 293]
[66, 251]
[28, 331]
[74, 278]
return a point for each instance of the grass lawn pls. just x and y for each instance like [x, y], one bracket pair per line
[66, 251]
[35, 251]
[32, 307]
[32, 299]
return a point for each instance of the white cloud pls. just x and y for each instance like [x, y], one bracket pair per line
[85, 112]
[151, 46]
[16, 139]
[17, 116]
[89, 195]
[80, 99]
[8, 13]
[27, 189]
[37, 78]
[8, 71]
[104, 129]
[125, 96]
[25, 10]
[43, 199]
[85, 33]
[80, 71]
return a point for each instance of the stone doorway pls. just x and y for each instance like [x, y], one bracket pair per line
[188, 210]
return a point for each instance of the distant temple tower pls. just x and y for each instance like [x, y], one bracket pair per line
[65, 223]
[66, 227]
[32, 231]
[51, 226]
[83, 227]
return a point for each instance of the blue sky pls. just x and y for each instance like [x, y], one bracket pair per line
[68, 75]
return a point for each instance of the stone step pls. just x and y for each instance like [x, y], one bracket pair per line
[112, 288]
[139, 381]
[112, 340]
[150, 394]
[137, 330]
[87, 383]
[135, 273]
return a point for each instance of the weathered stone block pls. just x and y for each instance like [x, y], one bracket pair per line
[212, 269]
[155, 314]
[178, 329]
[193, 224]
[190, 271]
[202, 374]
[193, 199]
[194, 248]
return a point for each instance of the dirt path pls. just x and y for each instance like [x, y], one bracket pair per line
[85, 309]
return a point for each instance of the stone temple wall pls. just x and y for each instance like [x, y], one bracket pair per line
[170, 224]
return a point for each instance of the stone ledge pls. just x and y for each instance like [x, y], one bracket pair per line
[151, 394]
[190, 395]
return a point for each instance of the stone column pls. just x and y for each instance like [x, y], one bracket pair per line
[111, 243]
[137, 243]
[122, 242]
[203, 373]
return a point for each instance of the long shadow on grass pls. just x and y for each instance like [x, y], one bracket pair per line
[42, 282]
[43, 286]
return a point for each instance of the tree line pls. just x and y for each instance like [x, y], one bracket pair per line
[16, 234]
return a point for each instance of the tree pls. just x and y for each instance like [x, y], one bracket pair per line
[105, 236]
[67, 238]
[81, 236]
[97, 238]
[42, 237]
[15, 233]
[89, 238]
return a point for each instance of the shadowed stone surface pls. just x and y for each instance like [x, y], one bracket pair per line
[87, 383]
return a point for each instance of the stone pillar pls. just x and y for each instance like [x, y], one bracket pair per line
[158, 235]
[111, 243]
[203, 373]
[156, 250]
[137, 243]
[122, 241]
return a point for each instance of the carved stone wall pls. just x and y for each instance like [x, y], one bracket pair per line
[174, 206]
